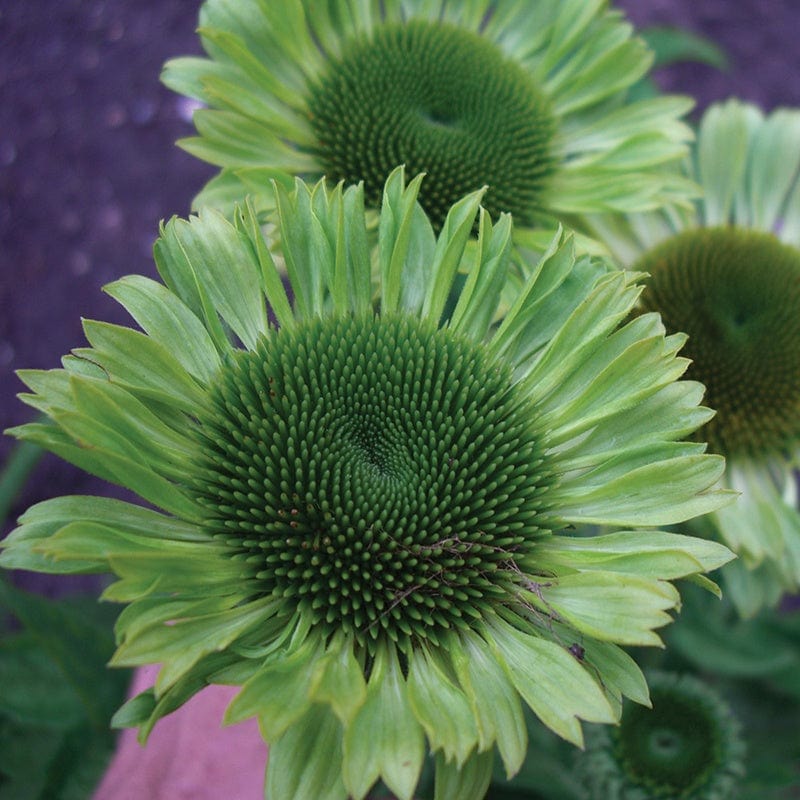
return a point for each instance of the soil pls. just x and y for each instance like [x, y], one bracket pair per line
[88, 167]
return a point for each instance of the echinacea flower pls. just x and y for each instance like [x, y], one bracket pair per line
[366, 512]
[728, 274]
[526, 98]
[687, 747]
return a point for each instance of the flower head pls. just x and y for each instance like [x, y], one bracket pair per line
[728, 274]
[366, 511]
[524, 98]
[687, 747]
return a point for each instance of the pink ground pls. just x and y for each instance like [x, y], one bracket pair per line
[189, 755]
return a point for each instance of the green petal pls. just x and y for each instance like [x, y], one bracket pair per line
[280, 693]
[494, 700]
[208, 252]
[169, 322]
[638, 498]
[442, 708]
[652, 554]
[402, 239]
[141, 365]
[610, 606]
[721, 169]
[469, 781]
[449, 250]
[340, 681]
[487, 275]
[555, 686]
[179, 646]
[384, 739]
[306, 761]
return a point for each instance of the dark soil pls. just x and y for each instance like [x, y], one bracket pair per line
[88, 166]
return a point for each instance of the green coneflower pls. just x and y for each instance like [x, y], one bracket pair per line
[728, 274]
[525, 98]
[366, 512]
[687, 747]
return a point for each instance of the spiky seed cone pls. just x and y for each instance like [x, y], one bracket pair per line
[377, 473]
[687, 747]
[482, 120]
[736, 292]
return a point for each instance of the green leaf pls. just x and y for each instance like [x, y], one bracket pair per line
[76, 638]
[32, 687]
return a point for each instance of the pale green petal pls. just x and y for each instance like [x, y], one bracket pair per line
[652, 554]
[142, 365]
[486, 277]
[265, 62]
[280, 693]
[610, 606]
[384, 740]
[166, 320]
[469, 781]
[180, 645]
[774, 160]
[721, 169]
[638, 498]
[220, 259]
[442, 709]
[403, 272]
[555, 686]
[340, 680]
[306, 762]
[494, 700]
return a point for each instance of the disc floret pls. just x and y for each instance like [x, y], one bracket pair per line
[441, 100]
[736, 293]
[378, 474]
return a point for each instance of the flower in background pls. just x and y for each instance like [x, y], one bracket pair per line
[728, 274]
[525, 98]
[687, 747]
[366, 512]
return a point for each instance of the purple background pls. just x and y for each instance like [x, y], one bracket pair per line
[88, 166]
